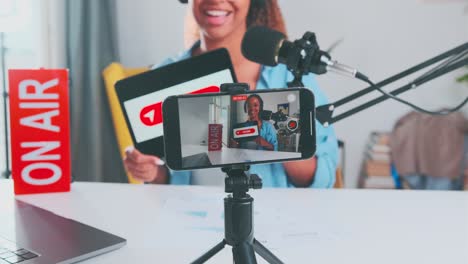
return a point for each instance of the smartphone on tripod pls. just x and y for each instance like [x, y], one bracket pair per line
[222, 129]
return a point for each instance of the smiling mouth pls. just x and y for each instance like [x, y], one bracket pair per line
[217, 13]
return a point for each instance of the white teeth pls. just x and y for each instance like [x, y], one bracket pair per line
[216, 13]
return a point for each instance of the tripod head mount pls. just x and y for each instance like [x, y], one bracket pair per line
[238, 182]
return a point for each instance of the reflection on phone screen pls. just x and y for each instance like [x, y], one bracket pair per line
[228, 129]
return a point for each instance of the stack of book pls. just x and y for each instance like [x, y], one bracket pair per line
[376, 169]
[466, 179]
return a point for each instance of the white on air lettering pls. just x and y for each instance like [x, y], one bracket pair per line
[35, 97]
[42, 121]
[42, 147]
[56, 173]
[39, 89]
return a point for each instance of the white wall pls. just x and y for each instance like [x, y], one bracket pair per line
[194, 116]
[272, 100]
[149, 31]
[381, 38]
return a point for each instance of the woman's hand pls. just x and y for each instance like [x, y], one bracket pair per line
[262, 142]
[233, 143]
[146, 168]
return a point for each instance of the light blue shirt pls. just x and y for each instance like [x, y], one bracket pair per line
[268, 133]
[274, 174]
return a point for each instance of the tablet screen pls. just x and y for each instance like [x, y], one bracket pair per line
[145, 112]
[141, 96]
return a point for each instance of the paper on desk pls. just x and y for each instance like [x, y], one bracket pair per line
[280, 227]
[188, 220]
[202, 219]
[195, 214]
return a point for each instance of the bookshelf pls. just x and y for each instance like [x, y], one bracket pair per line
[465, 186]
[376, 170]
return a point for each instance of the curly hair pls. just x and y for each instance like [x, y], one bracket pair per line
[260, 100]
[266, 13]
[261, 13]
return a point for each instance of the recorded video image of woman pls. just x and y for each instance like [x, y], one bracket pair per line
[266, 140]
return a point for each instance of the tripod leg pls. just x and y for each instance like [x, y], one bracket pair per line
[210, 253]
[244, 254]
[265, 253]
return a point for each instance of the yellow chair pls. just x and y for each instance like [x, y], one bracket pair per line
[113, 73]
[339, 181]
[339, 184]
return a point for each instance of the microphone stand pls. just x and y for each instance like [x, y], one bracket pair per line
[324, 113]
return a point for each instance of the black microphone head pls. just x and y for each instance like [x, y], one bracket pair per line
[265, 114]
[261, 44]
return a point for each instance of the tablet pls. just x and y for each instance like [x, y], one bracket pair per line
[141, 96]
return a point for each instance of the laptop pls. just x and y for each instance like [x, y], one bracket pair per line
[29, 234]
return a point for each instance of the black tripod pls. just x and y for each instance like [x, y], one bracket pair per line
[238, 220]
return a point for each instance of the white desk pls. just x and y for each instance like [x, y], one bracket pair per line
[342, 226]
[237, 155]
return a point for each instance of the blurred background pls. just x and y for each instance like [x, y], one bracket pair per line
[381, 38]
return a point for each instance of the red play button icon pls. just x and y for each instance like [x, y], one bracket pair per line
[152, 114]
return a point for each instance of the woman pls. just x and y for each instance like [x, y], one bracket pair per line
[223, 23]
[267, 139]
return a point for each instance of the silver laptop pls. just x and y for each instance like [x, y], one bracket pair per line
[29, 234]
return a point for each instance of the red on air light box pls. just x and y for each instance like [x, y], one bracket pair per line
[215, 137]
[40, 130]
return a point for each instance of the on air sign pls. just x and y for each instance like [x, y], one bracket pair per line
[39, 123]
[215, 137]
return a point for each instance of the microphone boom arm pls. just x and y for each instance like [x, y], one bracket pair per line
[324, 113]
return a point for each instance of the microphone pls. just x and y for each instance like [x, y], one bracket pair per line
[269, 115]
[270, 47]
[283, 123]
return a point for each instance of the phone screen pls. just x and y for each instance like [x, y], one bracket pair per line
[217, 130]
